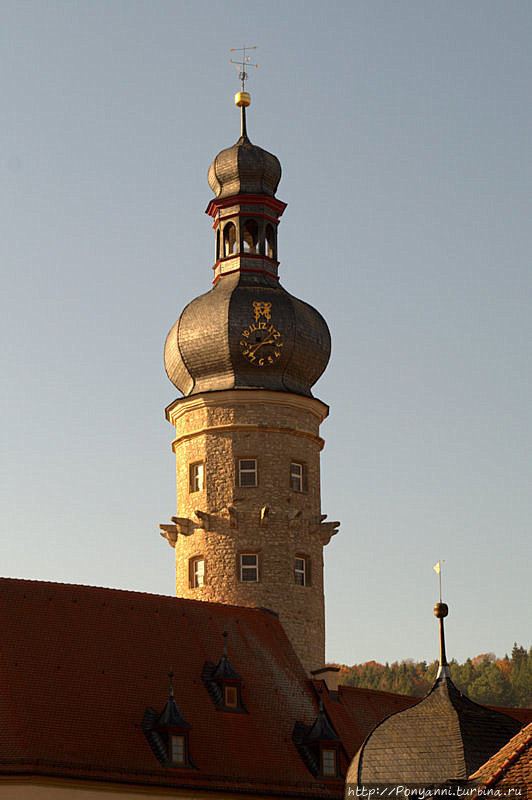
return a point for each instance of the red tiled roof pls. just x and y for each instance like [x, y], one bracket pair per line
[79, 665]
[511, 766]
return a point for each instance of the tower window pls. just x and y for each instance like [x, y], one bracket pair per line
[249, 567]
[177, 749]
[296, 476]
[229, 239]
[197, 572]
[328, 762]
[231, 696]
[270, 242]
[250, 236]
[247, 472]
[197, 476]
[301, 570]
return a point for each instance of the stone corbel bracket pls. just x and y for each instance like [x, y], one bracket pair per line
[180, 525]
[325, 530]
[204, 520]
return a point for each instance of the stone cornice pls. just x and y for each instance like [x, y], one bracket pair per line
[233, 397]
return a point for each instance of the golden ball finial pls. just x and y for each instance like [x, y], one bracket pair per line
[242, 99]
[441, 610]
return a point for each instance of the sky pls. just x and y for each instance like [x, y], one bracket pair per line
[404, 132]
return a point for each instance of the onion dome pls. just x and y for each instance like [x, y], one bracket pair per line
[244, 168]
[248, 332]
[442, 739]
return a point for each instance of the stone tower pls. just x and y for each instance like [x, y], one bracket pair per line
[249, 528]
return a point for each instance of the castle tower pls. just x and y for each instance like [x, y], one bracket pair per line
[249, 528]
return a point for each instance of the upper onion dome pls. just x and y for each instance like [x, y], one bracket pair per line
[244, 168]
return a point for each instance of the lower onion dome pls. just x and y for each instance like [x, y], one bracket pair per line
[248, 332]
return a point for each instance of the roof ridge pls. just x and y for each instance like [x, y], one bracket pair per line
[164, 597]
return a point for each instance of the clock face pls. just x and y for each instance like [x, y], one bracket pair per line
[261, 342]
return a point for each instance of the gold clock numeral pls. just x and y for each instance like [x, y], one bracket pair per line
[253, 350]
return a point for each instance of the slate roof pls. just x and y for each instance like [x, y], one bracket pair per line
[445, 737]
[244, 168]
[203, 353]
[511, 767]
[80, 665]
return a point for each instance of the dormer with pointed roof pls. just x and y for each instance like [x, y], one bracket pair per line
[223, 683]
[319, 745]
[167, 732]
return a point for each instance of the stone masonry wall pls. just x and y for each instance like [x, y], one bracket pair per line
[218, 429]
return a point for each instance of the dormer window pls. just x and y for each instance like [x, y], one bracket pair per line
[319, 745]
[328, 762]
[167, 733]
[177, 750]
[231, 696]
[224, 684]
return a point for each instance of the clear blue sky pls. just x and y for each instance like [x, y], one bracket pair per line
[404, 132]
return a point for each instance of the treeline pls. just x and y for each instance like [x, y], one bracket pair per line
[485, 679]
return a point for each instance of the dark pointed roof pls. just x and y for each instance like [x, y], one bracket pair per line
[224, 671]
[445, 737]
[321, 730]
[171, 717]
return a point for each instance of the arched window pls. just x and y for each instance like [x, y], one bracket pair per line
[270, 242]
[229, 239]
[250, 236]
[217, 245]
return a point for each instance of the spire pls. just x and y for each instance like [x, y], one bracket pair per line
[242, 98]
[171, 679]
[440, 612]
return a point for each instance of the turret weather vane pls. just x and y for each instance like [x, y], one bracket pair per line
[242, 65]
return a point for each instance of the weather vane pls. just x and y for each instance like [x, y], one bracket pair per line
[242, 65]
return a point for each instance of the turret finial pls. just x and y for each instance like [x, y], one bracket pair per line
[171, 679]
[440, 612]
[242, 98]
